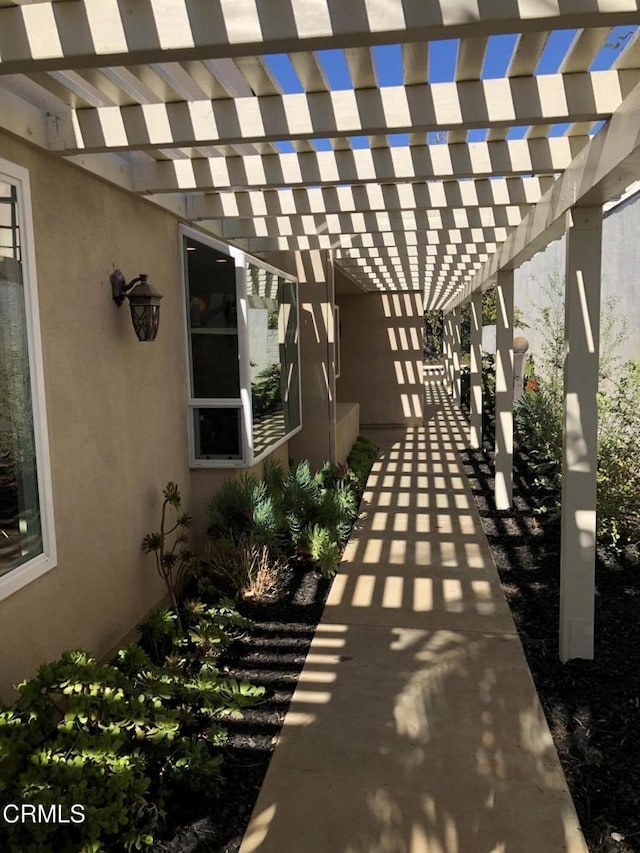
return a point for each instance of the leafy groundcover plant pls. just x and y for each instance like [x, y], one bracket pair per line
[136, 742]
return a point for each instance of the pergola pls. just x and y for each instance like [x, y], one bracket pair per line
[176, 100]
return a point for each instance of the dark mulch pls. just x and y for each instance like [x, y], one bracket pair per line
[271, 654]
[592, 707]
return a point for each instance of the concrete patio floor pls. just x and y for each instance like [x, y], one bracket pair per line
[415, 725]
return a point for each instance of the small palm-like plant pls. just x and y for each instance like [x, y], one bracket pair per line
[174, 561]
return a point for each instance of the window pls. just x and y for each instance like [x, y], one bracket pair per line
[272, 323]
[26, 517]
[242, 329]
[212, 318]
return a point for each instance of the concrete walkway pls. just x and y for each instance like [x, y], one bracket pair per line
[415, 725]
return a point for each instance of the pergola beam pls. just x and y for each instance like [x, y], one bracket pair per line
[366, 223]
[440, 220]
[427, 268]
[326, 168]
[502, 102]
[398, 240]
[94, 33]
[438, 275]
[395, 248]
[377, 257]
[495, 194]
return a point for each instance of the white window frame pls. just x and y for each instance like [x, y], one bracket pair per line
[20, 576]
[240, 259]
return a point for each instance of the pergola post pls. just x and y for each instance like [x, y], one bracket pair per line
[446, 349]
[580, 436]
[475, 377]
[504, 390]
[456, 317]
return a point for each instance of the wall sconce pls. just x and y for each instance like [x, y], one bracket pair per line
[144, 302]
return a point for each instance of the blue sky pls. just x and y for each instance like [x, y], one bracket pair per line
[442, 61]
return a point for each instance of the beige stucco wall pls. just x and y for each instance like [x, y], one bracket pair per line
[116, 412]
[117, 408]
[347, 429]
[382, 356]
[316, 439]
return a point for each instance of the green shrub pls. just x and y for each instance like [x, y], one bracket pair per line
[231, 508]
[433, 335]
[360, 459]
[337, 510]
[539, 419]
[538, 422]
[80, 733]
[327, 501]
[256, 525]
[266, 391]
[324, 549]
[158, 633]
[302, 497]
[434, 327]
[131, 741]
[488, 384]
[619, 463]
[274, 476]
[245, 507]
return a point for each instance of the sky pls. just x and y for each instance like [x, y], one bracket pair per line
[442, 63]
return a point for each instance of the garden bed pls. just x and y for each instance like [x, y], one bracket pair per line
[166, 743]
[592, 707]
[272, 655]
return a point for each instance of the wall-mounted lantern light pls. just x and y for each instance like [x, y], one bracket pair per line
[144, 302]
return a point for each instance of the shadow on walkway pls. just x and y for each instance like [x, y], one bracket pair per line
[415, 727]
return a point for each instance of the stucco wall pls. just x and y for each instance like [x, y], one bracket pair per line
[316, 439]
[620, 277]
[382, 356]
[116, 412]
[347, 429]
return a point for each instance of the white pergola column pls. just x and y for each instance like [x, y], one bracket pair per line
[504, 389]
[475, 378]
[446, 349]
[580, 438]
[456, 318]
